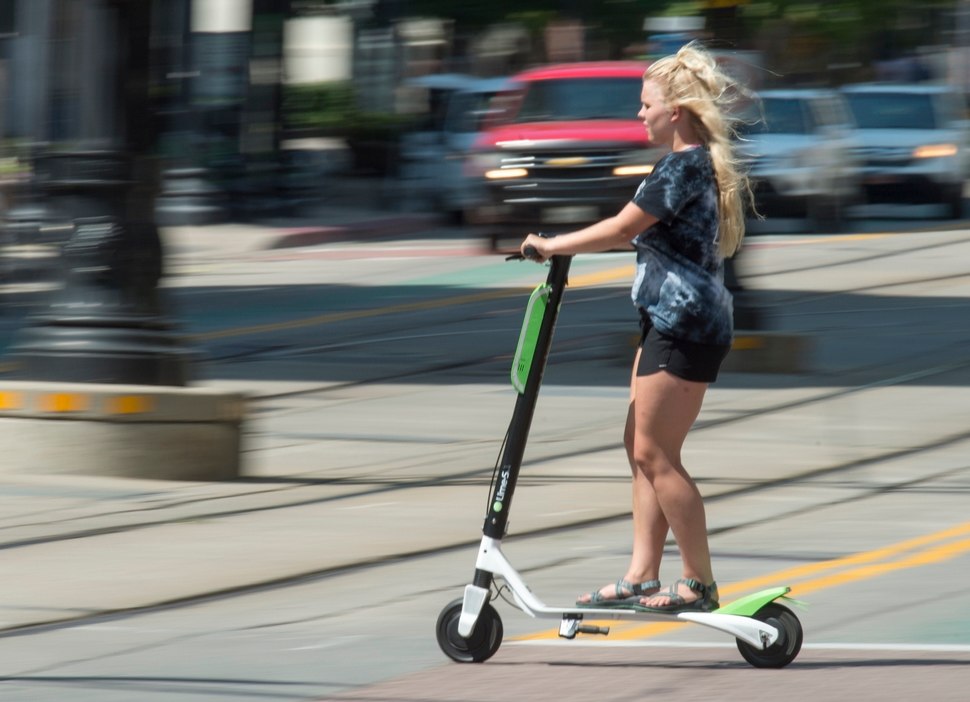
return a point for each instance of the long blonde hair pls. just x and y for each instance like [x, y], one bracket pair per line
[691, 79]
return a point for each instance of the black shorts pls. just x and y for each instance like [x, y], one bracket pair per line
[689, 360]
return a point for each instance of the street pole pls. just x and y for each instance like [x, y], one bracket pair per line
[188, 195]
[106, 324]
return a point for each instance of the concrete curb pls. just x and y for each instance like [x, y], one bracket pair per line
[117, 402]
[156, 432]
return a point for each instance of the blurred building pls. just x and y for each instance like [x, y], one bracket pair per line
[221, 68]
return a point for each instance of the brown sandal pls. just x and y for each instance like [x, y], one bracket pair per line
[707, 602]
[637, 591]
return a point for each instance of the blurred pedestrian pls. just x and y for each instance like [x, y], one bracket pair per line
[685, 218]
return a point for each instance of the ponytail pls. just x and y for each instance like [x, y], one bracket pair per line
[691, 79]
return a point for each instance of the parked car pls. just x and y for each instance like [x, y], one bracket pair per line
[432, 166]
[913, 141]
[567, 149]
[798, 146]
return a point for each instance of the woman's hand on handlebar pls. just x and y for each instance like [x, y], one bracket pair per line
[535, 248]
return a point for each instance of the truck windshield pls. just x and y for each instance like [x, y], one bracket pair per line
[777, 116]
[892, 110]
[580, 98]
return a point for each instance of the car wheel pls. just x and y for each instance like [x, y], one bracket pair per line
[826, 213]
[954, 202]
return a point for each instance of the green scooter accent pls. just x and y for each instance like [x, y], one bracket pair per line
[749, 604]
[528, 337]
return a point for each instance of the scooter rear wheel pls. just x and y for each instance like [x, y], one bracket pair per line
[789, 642]
[483, 642]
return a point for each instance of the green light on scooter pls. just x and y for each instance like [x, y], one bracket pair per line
[497, 507]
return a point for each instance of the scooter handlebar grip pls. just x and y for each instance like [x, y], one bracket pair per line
[530, 252]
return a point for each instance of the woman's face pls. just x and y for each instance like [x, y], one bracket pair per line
[656, 115]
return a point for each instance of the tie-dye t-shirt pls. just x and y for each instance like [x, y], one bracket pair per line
[680, 272]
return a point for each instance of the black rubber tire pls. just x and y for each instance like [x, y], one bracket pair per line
[789, 642]
[827, 215]
[485, 638]
[954, 202]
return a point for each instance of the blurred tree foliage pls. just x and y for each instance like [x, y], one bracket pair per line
[321, 107]
[865, 28]
[330, 109]
[617, 22]
[841, 40]
[799, 42]
[907, 23]
[872, 26]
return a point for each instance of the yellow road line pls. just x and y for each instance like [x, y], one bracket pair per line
[608, 276]
[855, 559]
[921, 558]
[853, 568]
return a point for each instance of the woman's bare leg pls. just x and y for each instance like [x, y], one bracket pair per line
[665, 408]
[649, 525]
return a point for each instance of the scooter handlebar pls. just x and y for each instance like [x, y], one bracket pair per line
[530, 252]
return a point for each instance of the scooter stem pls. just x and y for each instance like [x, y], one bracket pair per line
[497, 516]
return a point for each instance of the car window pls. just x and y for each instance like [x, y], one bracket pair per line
[893, 110]
[951, 107]
[431, 105]
[466, 112]
[580, 98]
[829, 112]
[779, 116]
[840, 112]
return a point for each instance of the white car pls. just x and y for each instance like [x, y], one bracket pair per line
[913, 140]
[798, 145]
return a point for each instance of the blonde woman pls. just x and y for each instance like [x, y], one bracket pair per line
[684, 219]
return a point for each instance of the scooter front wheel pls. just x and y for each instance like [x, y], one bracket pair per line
[483, 642]
[789, 643]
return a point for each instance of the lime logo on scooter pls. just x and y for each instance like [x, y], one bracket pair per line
[500, 493]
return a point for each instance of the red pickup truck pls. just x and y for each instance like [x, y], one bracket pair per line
[566, 151]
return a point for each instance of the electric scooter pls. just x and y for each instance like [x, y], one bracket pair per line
[469, 629]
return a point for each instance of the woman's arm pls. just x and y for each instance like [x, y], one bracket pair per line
[611, 233]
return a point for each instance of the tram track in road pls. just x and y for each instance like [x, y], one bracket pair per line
[472, 475]
[193, 506]
[210, 507]
[818, 573]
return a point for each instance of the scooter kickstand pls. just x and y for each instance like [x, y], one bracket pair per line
[571, 625]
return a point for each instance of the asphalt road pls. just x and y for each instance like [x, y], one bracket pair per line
[379, 372]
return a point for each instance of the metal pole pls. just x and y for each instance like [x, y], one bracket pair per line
[106, 324]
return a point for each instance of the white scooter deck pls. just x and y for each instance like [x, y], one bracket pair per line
[491, 559]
